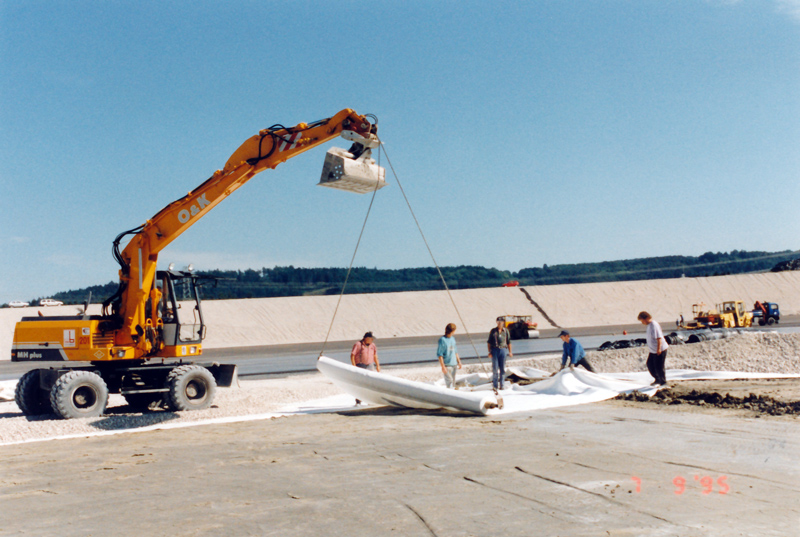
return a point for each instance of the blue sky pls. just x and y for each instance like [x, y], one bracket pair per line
[523, 133]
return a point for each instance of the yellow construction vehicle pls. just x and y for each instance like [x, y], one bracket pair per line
[730, 314]
[521, 326]
[733, 314]
[138, 346]
[702, 317]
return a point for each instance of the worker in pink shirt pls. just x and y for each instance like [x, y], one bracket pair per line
[365, 355]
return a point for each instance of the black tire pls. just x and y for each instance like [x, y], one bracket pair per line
[144, 402]
[771, 321]
[191, 387]
[761, 322]
[79, 394]
[30, 398]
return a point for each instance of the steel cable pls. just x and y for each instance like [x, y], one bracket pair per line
[444, 282]
[350, 268]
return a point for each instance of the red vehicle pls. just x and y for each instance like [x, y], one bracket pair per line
[514, 283]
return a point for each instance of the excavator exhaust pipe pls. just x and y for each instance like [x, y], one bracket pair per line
[343, 172]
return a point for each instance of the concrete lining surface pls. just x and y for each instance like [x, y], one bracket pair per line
[306, 319]
[603, 469]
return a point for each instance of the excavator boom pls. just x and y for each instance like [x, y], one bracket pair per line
[132, 323]
[266, 150]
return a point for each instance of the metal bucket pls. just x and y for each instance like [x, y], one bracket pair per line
[342, 172]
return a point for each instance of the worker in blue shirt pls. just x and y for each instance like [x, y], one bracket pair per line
[574, 351]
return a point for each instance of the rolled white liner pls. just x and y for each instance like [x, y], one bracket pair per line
[383, 389]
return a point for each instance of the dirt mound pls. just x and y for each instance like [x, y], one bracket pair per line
[794, 264]
[774, 397]
[758, 403]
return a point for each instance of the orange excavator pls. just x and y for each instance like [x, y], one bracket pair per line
[143, 344]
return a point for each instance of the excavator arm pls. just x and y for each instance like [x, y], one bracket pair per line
[137, 260]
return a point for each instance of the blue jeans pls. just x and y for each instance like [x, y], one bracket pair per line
[499, 367]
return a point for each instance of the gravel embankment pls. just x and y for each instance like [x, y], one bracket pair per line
[751, 352]
[755, 352]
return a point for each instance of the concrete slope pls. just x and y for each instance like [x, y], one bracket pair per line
[264, 321]
[274, 321]
[615, 303]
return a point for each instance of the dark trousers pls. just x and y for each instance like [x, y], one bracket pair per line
[655, 365]
[585, 363]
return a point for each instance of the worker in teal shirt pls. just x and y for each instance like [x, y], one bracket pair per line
[573, 350]
[448, 356]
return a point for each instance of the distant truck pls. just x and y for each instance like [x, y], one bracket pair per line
[766, 313]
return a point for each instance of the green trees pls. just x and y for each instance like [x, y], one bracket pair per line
[296, 281]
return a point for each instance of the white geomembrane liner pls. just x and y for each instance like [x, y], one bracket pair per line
[383, 389]
[566, 388]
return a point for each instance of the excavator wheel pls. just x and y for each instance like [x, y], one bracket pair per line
[771, 321]
[79, 394]
[30, 398]
[191, 387]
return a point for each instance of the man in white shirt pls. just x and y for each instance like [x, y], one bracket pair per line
[657, 346]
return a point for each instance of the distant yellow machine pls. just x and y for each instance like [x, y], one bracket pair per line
[730, 314]
[521, 326]
[733, 314]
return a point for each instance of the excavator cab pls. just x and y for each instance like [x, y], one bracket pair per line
[183, 328]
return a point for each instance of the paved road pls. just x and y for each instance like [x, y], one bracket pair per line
[264, 361]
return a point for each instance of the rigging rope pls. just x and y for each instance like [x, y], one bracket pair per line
[425, 240]
[352, 259]
[447, 288]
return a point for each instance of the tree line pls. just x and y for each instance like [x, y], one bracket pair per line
[299, 281]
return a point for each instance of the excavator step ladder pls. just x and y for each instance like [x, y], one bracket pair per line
[343, 172]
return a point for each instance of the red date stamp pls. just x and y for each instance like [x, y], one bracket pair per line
[707, 484]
